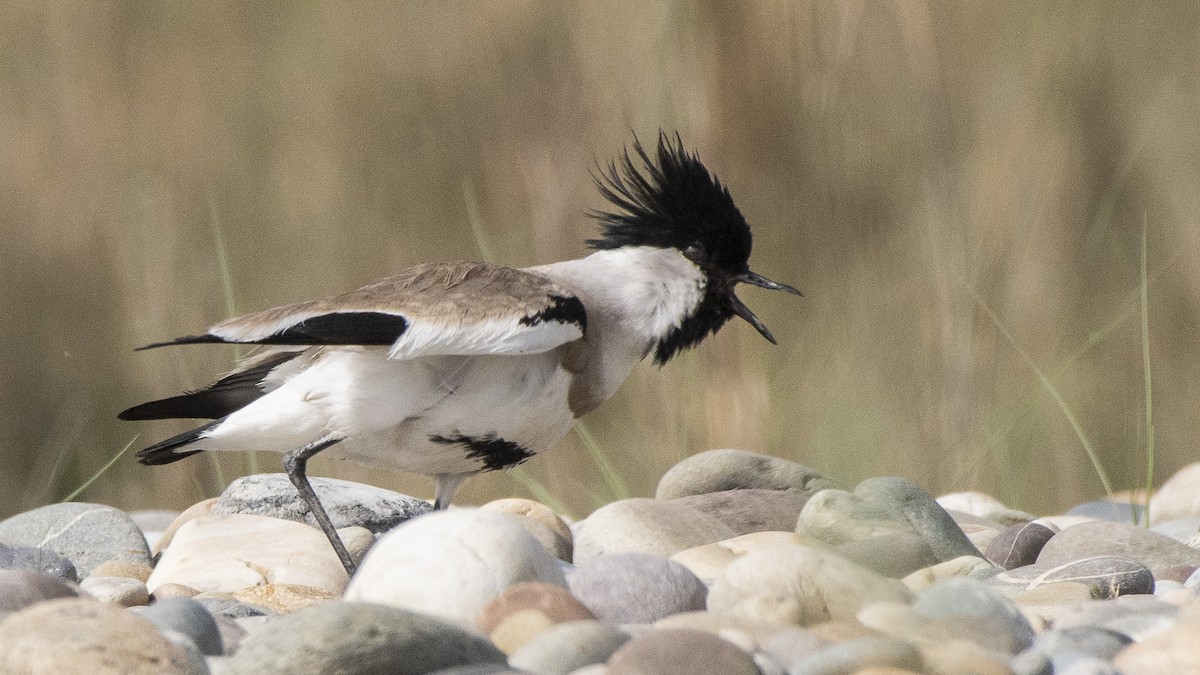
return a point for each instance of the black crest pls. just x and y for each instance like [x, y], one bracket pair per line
[674, 202]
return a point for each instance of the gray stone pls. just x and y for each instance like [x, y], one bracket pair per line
[452, 563]
[955, 611]
[65, 636]
[680, 651]
[720, 470]
[85, 534]
[1064, 646]
[1107, 510]
[189, 617]
[1109, 576]
[636, 588]
[1018, 545]
[838, 517]
[1179, 496]
[22, 588]
[1184, 531]
[568, 646]
[892, 555]
[853, 655]
[230, 608]
[747, 511]
[905, 498]
[17, 557]
[1137, 616]
[1117, 539]
[348, 503]
[359, 639]
[641, 525]
[799, 585]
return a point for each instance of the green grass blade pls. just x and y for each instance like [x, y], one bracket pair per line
[612, 477]
[534, 487]
[76, 492]
[1050, 389]
[1145, 292]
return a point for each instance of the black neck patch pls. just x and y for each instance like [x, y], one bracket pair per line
[713, 312]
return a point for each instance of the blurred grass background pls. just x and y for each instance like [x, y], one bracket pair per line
[910, 166]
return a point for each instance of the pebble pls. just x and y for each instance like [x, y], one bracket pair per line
[524, 610]
[190, 618]
[119, 591]
[1174, 650]
[61, 636]
[800, 585]
[1117, 539]
[636, 588]
[1179, 496]
[85, 534]
[1109, 576]
[123, 568]
[892, 555]
[965, 566]
[452, 563]
[747, 511]
[642, 525]
[284, 598]
[676, 650]
[374, 638]
[1109, 511]
[541, 521]
[200, 508]
[21, 588]
[229, 553]
[984, 506]
[347, 503]
[859, 655]
[566, 647]
[1018, 545]
[17, 557]
[726, 469]
[709, 560]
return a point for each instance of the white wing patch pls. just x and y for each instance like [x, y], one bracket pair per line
[498, 336]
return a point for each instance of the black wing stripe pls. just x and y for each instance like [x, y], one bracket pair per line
[335, 328]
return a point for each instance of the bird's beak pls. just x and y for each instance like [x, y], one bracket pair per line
[743, 311]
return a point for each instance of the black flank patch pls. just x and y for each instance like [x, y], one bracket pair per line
[564, 309]
[495, 452]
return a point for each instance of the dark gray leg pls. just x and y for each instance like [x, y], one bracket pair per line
[295, 463]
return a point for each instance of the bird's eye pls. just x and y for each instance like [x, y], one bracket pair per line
[695, 253]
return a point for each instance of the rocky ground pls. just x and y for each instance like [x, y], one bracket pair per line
[742, 563]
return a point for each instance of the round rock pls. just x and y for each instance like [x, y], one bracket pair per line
[720, 470]
[452, 563]
[119, 591]
[22, 588]
[188, 617]
[636, 588]
[860, 655]
[800, 585]
[347, 503]
[1018, 545]
[1109, 576]
[642, 525]
[1117, 539]
[524, 610]
[680, 651]
[229, 553]
[541, 521]
[1176, 650]
[928, 519]
[1179, 497]
[32, 558]
[85, 534]
[566, 647]
[747, 511]
[61, 636]
[359, 639]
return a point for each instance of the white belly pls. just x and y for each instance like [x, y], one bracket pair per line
[411, 414]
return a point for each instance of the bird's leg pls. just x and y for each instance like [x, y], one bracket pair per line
[295, 463]
[446, 484]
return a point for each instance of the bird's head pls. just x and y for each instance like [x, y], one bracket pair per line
[674, 202]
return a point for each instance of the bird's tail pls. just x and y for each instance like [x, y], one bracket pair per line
[174, 448]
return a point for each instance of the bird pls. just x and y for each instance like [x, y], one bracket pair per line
[456, 368]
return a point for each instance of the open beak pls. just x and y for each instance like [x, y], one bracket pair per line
[743, 311]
